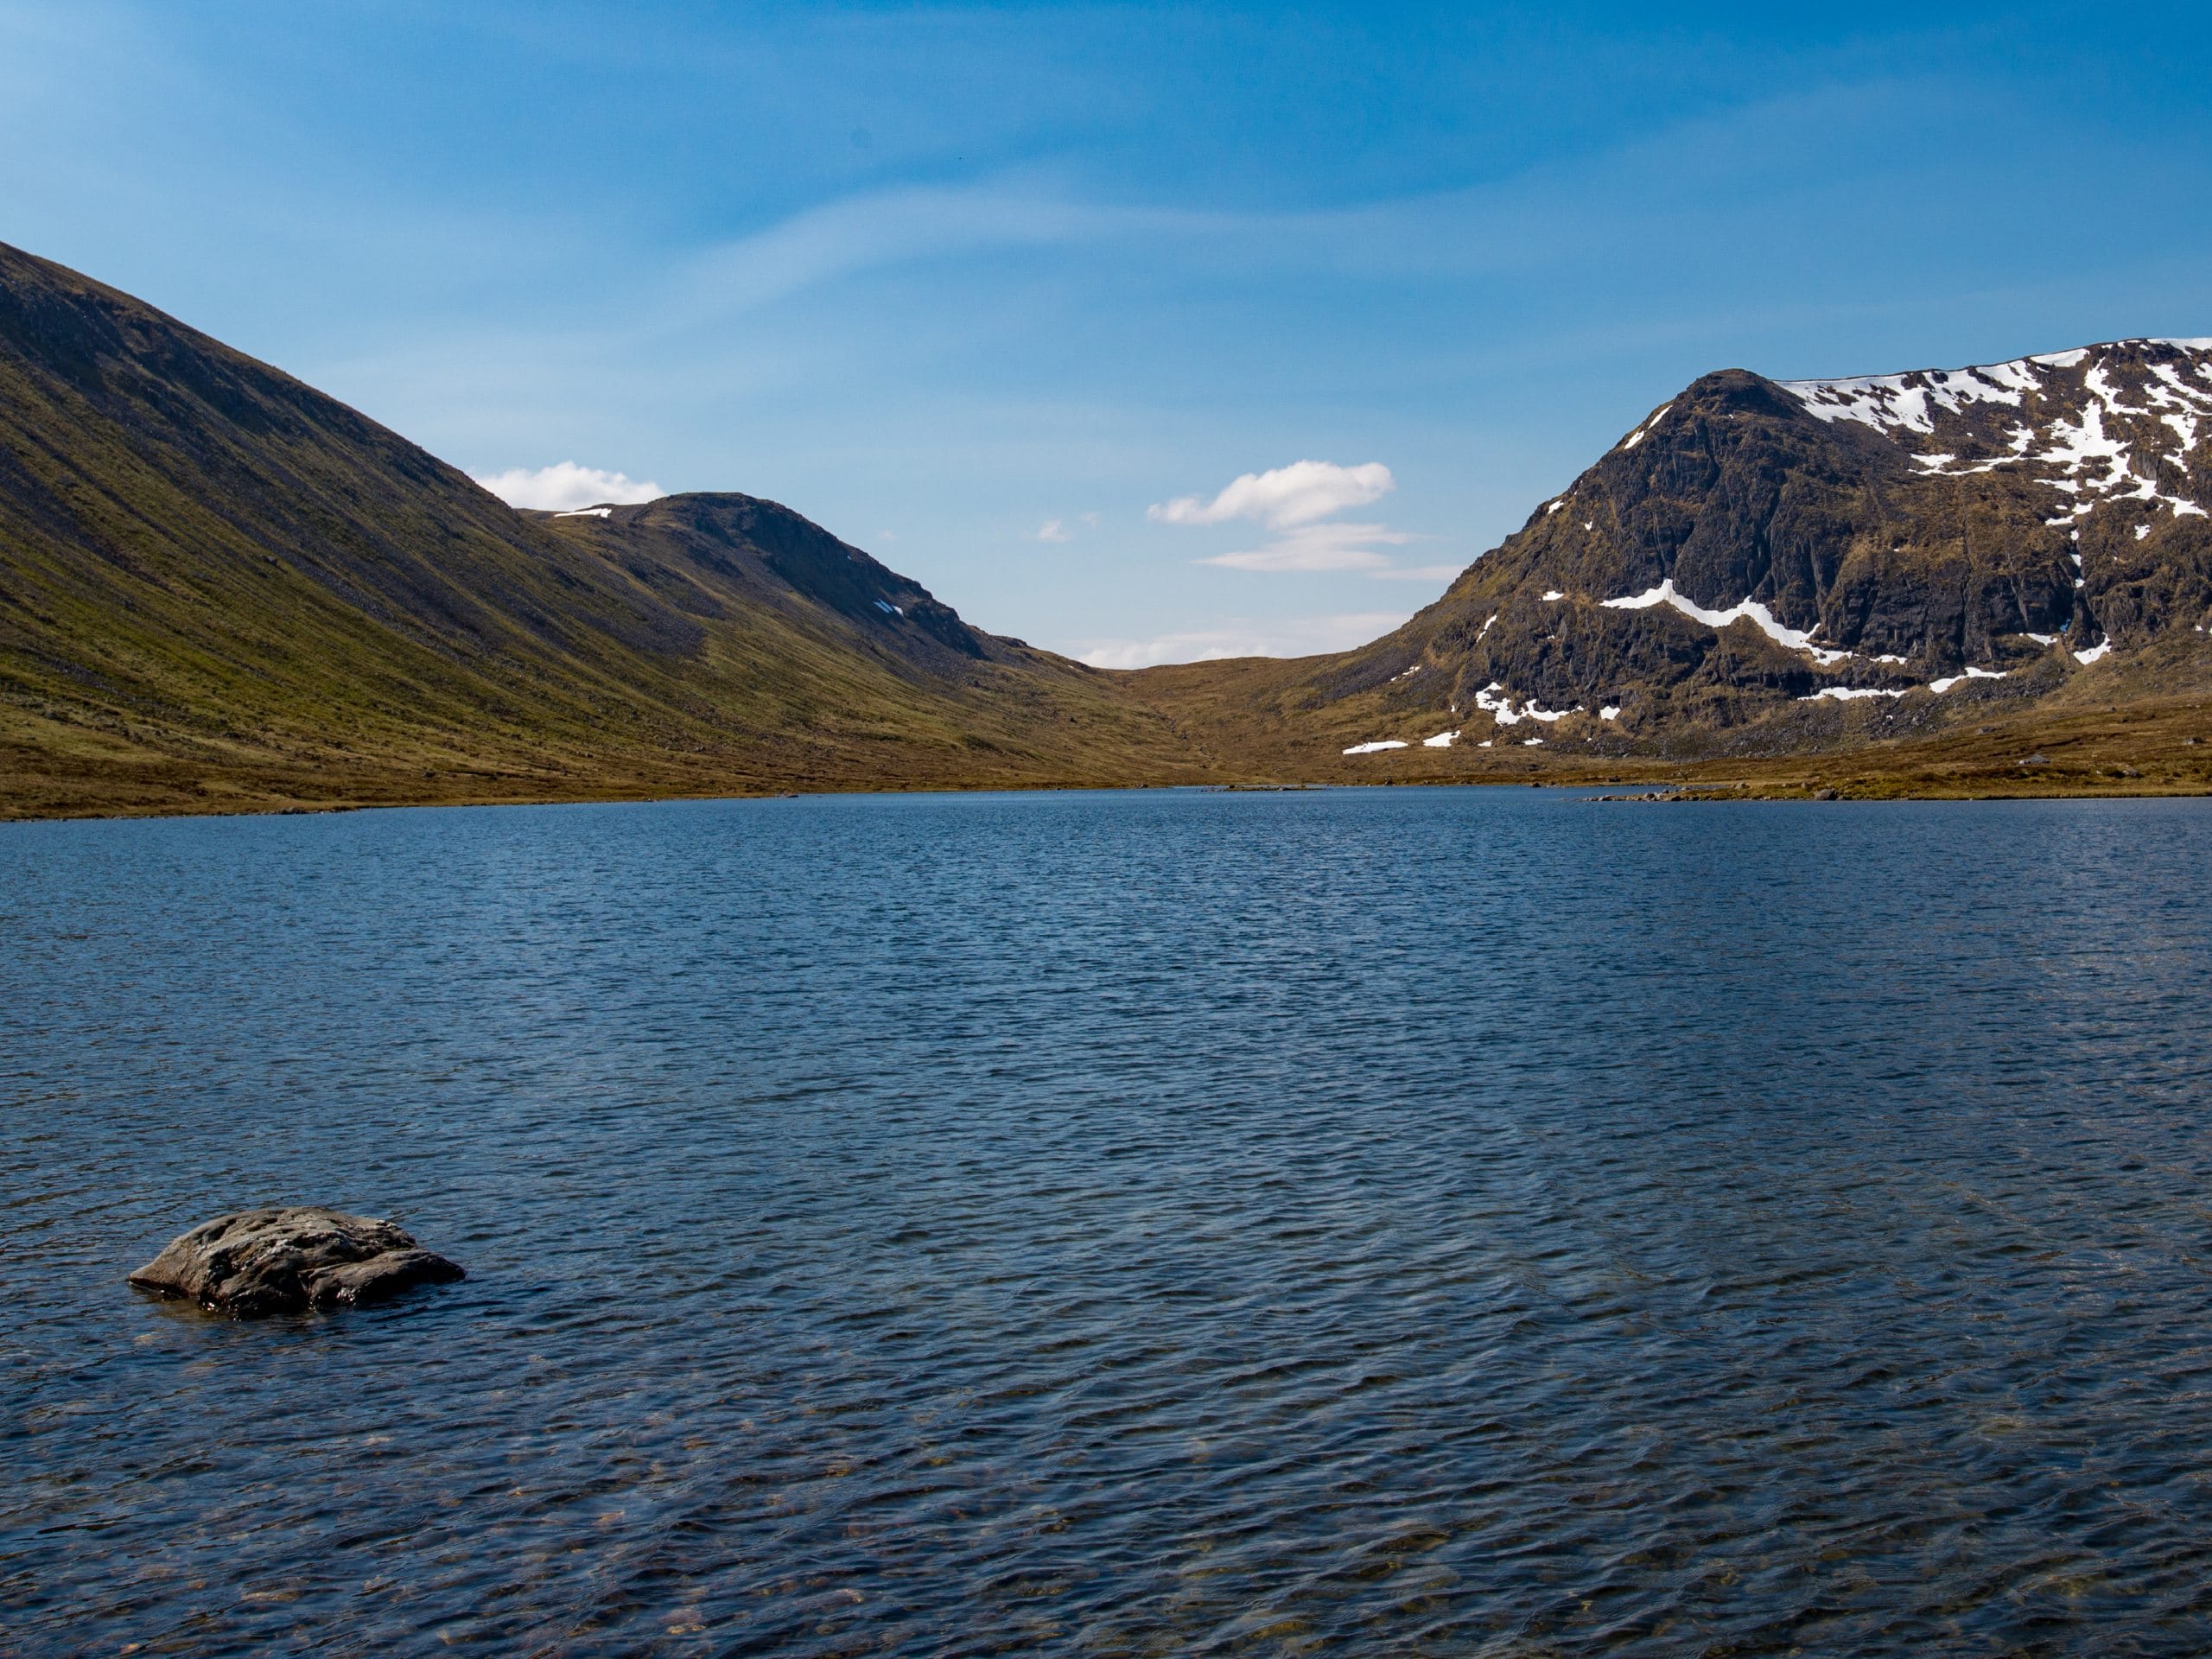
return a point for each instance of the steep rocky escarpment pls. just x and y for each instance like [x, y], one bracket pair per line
[1752, 545]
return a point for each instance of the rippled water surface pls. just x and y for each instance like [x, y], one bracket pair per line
[1391, 1221]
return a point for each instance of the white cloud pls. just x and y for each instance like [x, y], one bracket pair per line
[1295, 636]
[1053, 530]
[565, 485]
[1299, 501]
[1296, 494]
[1319, 547]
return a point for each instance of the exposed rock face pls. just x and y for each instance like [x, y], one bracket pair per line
[1754, 543]
[286, 1261]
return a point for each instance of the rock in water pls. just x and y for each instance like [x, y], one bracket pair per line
[288, 1259]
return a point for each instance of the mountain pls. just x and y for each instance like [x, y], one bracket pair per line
[222, 590]
[1765, 568]
[219, 587]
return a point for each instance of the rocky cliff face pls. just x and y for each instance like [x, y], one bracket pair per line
[1752, 543]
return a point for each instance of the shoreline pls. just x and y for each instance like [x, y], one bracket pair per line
[1682, 787]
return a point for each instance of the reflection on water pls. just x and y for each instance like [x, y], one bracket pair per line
[1388, 1220]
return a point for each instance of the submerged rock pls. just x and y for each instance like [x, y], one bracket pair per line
[288, 1259]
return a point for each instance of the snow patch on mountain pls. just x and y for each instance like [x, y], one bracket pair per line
[1939, 687]
[1748, 610]
[1644, 431]
[1501, 708]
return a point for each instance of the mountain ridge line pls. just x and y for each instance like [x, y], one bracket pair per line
[221, 590]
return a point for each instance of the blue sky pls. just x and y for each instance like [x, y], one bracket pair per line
[1013, 297]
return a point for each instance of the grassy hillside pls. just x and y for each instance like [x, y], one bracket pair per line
[220, 588]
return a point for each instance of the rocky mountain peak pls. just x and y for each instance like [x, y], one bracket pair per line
[1753, 544]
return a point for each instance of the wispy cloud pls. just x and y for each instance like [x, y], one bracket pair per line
[839, 239]
[1319, 547]
[565, 485]
[1053, 530]
[1295, 636]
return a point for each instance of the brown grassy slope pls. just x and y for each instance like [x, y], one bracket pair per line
[2137, 724]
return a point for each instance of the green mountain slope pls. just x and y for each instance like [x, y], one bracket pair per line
[218, 585]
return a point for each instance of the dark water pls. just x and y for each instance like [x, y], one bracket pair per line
[1393, 1222]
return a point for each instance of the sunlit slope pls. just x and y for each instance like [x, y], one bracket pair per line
[218, 584]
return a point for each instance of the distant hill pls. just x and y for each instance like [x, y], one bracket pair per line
[222, 590]
[219, 587]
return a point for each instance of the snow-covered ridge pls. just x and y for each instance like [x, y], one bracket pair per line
[1905, 400]
[2078, 430]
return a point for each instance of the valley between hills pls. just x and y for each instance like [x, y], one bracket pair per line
[221, 591]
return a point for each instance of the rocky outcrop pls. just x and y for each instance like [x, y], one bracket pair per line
[289, 1260]
[1754, 544]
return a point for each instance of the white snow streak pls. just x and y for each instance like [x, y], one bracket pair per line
[1939, 687]
[1644, 431]
[1748, 610]
[1501, 710]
